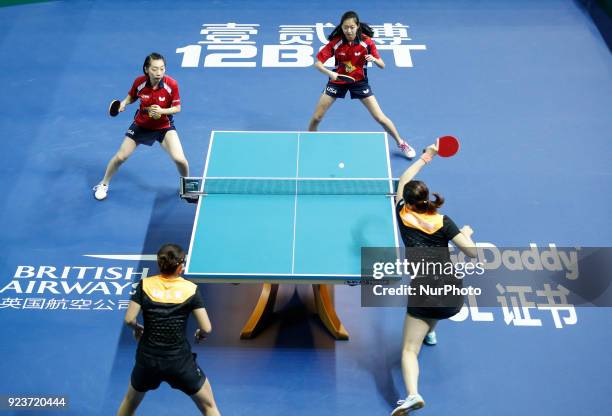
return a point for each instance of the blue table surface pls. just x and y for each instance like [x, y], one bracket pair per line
[263, 237]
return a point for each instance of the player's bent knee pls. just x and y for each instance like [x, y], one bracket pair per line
[410, 348]
[121, 157]
[203, 399]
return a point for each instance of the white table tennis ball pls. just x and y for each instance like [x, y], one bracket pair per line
[341, 165]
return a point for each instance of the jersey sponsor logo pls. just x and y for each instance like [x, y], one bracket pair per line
[348, 66]
[158, 294]
[332, 90]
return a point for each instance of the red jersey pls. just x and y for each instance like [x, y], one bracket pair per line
[166, 95]
[350, 57]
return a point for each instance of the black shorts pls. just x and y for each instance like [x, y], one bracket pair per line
[440, 312]
[145, 136]
[429, 306]
[182, 373]
[359, 90]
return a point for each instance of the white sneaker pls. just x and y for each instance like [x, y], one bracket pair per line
[408, 151]
[430, 338]
[412, 402]
[100, 191]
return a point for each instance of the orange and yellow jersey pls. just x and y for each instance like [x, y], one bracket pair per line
[424, 230]
[166, 304]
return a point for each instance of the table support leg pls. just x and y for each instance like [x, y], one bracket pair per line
[324, 306]
[327, 312]
[264, 307]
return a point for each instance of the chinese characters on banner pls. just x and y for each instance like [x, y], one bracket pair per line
[63, 304]
[517, 307]
[225, 45]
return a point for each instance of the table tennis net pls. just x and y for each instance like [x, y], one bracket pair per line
[288, 186]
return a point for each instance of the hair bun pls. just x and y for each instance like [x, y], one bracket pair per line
[169, 258]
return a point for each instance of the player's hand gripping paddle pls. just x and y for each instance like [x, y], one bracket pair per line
[155, 116]
[344, 78]
[447, 146]
[113, 109]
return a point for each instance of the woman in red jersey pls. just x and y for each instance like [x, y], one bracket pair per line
[350, 43]
[159, 101]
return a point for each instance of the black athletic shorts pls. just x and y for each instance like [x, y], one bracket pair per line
[145, 136]
[439, 312]
[358, 90]
[181, 373]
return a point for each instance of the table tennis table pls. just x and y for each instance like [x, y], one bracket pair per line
[297, 235]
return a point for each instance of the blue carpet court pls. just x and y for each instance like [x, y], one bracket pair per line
[525, 85]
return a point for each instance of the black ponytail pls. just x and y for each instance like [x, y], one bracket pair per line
[366, 30]
[416, 194]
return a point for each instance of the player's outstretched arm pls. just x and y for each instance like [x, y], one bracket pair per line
[414, 169]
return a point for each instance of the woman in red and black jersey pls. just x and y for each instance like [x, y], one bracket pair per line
[159, 101]
[351, 44]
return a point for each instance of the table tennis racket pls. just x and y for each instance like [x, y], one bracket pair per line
[447, 146]
[345, 78]
[113, 109]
